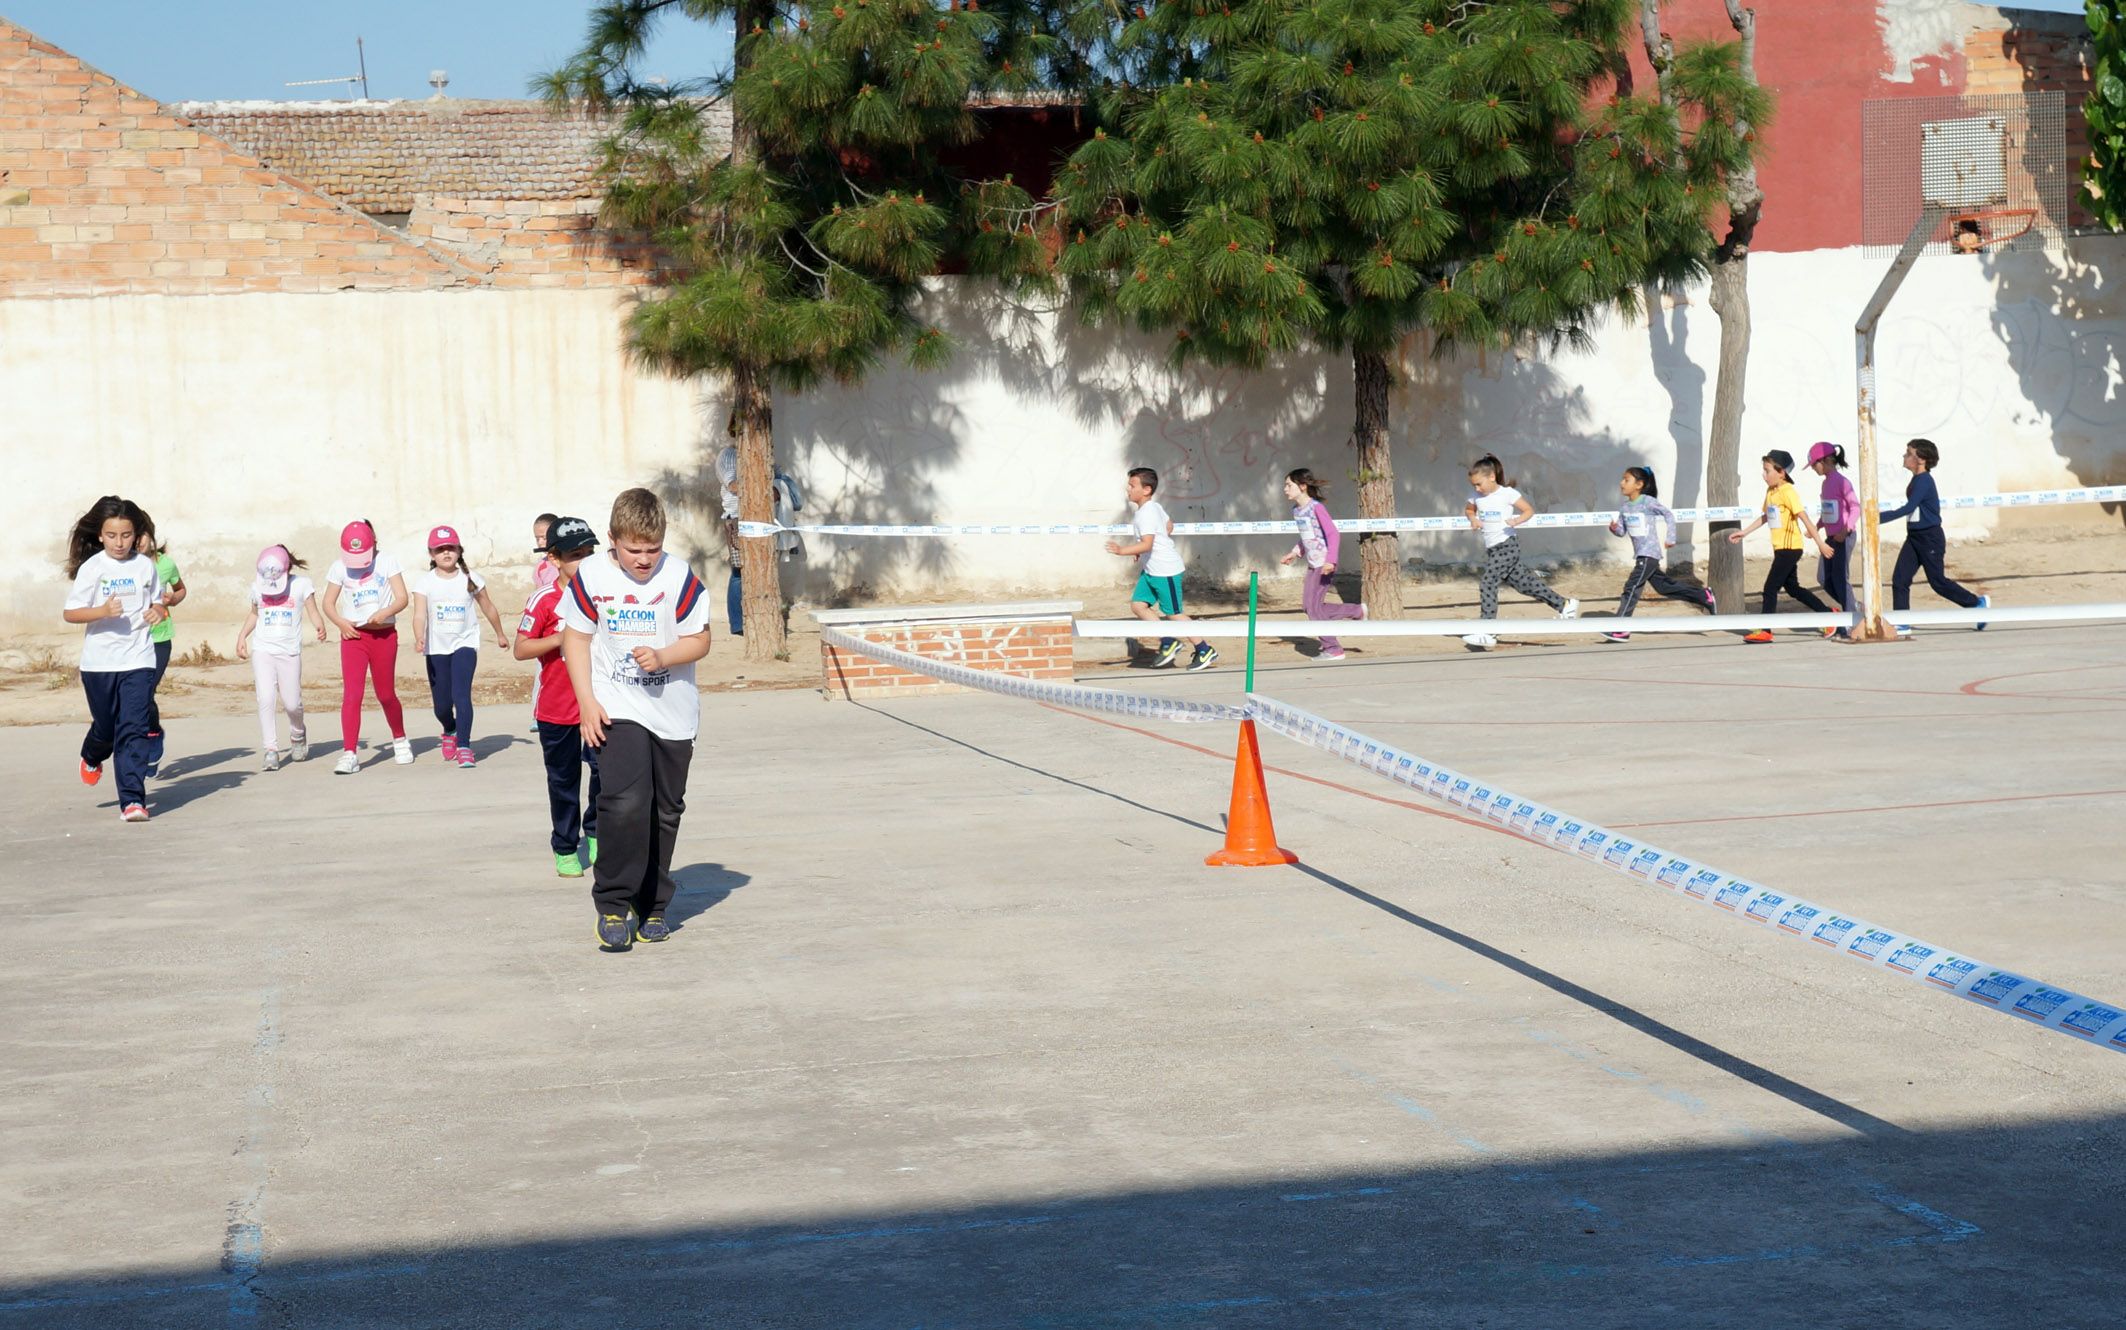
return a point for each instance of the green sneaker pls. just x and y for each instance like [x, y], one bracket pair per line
[568, 865]
[590, 851]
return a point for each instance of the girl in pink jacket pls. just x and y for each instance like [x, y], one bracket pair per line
[1319, 543]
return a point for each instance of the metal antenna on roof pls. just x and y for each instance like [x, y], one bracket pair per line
[362, 77]
[439, 79]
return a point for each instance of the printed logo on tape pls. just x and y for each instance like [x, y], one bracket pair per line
[2090, 1021]
[1950, 971]
[1764, 907]
[1797, 919]
[1701, 883]
[1833, 931]
[2039, 1003]
[1997, 987]
[1868, 946]
[1910, 957]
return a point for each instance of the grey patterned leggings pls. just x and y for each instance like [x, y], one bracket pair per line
[1502, 564]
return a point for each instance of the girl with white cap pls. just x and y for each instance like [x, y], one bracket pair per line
[272, 640]
[364, 591]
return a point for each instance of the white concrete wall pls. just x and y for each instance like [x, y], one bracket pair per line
[239, 420]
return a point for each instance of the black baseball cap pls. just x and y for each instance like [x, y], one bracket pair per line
[570, 535]
[1782, 459]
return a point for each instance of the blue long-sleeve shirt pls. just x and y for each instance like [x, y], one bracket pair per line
[1922, 503]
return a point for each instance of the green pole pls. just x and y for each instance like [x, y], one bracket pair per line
[1253, 581]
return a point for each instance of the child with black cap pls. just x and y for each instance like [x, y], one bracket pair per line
[1788, 520]
[555, 714]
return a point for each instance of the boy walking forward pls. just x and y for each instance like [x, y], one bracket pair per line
[559, 720]
[634, 621]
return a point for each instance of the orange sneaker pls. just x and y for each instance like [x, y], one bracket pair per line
[1762, 635]
[90, 775]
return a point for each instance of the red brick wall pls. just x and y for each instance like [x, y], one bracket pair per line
[1041, 649]
[102, 191]
[528, 243]
[2044, 53]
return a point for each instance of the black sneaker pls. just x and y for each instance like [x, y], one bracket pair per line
[1205, 657]
[616, 932]
[653, 929]
[1168, 650]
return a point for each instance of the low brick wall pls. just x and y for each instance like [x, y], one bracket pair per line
[1032, 639]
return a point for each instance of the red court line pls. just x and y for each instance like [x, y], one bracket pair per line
[1977, 687]
[1295, 775]
[1879, 808]
[1751, 684]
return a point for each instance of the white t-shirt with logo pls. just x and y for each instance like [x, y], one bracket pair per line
[360, 598]
[1492, 511]
[112, 646]
[1162, 559]
[621, 614]
[280, 627]
[453, 617]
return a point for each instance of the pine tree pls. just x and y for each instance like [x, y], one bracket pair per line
[796, 253]
[1715, 87]
[2104, 174]
[1274, 175]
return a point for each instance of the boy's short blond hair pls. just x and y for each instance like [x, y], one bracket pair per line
[637, 515]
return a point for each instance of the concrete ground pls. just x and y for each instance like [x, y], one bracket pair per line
[959, 1032]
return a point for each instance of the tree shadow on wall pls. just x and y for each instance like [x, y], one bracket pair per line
[1683, 379]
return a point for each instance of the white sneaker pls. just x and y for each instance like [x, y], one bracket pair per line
[1480, 641]
[1571, 610]
[402, 752]
[348, 763]
[298, 745]
[273, 760]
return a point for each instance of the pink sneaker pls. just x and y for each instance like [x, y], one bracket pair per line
[133, 813]
[450, 748]
[463, 757]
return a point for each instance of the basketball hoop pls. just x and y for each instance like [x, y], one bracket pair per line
[1980, 230]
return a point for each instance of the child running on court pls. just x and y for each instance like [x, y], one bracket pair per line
[364, 591]
[1651, 527]
[1924, 543]
[634, 621]
[448, 636]
[272, 640]
[117, 599]
[1159, 568]
[1788, 519]
[1494, 510]
[1319, 543]
[569, 541]
[543, 576]
[1839, 515]
[163, 634]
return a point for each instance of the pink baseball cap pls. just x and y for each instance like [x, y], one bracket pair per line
[1819, 451]
[357, 545]
[444, 535]
[273, 562]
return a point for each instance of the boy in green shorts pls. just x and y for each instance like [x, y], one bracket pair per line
[1158, 593]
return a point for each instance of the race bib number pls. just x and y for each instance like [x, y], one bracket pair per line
[1830, 512]
[1635, 524]
[364, 602]
[1771, 513]
[277, 617]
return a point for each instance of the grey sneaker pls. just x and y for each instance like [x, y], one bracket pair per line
[653, 929]
[1205, 657]
[273, 760]
[1168, 651]
[616, 932]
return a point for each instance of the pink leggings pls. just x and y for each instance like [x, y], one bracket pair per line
[373, 652]
[279, 680]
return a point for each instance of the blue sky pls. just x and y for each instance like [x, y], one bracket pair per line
[222, 49]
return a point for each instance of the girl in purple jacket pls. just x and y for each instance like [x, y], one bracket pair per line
[1319, 543]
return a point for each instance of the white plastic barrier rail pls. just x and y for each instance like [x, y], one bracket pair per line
[1143, 706]
[1939, 968]
[1452, 522]
[1586, 624]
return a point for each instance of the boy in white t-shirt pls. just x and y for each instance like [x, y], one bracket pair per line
[634, 621]
[1158, 592]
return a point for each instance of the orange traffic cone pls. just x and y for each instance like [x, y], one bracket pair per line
[1250, 840]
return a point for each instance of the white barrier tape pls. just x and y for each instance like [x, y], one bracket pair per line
[1143, 706]
[1989, 986]
[1361, 525]
[1586, 624]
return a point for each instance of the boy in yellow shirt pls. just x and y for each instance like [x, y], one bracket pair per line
[1788, 519]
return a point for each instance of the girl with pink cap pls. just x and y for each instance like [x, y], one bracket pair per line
[364, 591]
[1839, 518]
[272, 640]
[447, 604]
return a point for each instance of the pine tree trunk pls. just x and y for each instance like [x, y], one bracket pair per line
[1723, 462]
[753, 431]
[1380, 552]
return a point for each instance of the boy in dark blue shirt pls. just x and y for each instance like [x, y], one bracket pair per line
[1924, 542]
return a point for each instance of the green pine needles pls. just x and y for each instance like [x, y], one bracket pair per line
[1276, 173]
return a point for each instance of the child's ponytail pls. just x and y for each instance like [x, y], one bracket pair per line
[1647, 487]
[1493, 465]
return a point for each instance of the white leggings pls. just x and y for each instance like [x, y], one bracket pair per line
[280, 688]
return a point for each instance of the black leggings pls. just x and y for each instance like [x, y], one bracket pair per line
[1645, 572]
[1785, 576]
[1924, 548]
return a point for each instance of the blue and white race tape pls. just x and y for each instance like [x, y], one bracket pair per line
[1989, 986]
[1143, 706]
[1672, 623]
[1454, 522]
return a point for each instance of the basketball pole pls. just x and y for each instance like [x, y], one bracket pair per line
[1873, 627]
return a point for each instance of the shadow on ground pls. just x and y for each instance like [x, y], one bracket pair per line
[1848, 1232]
